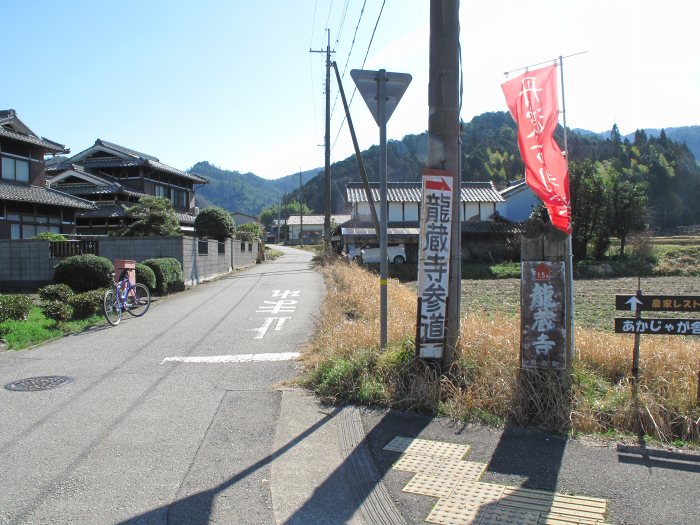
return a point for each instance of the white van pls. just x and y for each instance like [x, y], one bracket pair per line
[396, 254]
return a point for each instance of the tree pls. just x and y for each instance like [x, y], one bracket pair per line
[627, 202]
[250, 231]
[271, 213]
[214, 222]
[152, 216]
[589, 207]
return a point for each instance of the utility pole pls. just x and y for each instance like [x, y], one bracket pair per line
[279, 212]
[327, 217]
[443, 142]
[301, 214]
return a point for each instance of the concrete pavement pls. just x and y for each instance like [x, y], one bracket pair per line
[139, 439]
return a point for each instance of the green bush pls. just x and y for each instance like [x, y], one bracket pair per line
[84, 272]
[168, 272]
[15, 307]
[86, 304]
[57, 311]
[55, 292]
[49, 236]
[145, 276]
[214, 222]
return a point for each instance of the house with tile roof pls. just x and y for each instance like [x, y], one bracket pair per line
[115, 178]
[519, 201]
[484, 231]
[27, 206]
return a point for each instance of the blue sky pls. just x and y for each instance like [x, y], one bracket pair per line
[232, 82]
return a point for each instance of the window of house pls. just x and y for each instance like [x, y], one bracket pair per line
[15, 169]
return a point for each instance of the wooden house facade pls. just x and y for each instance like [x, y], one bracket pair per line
[115, 178]
[27, 206]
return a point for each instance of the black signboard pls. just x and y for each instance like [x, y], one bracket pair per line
[658, 303]
[657, 326]
[542, 308]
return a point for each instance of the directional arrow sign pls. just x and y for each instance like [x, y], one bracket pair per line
[634, 303]
[658, 303]
[440, 185]
[367, 83]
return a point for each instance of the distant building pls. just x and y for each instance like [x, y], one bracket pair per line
[27, 206]
[309, 228]
[243, 218]
[484, 232]
[115, 178]
[518, 201]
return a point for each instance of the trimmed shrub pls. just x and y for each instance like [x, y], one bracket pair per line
[214, 222]
[145, 276]
[86, 304]
[55, 292]
[84, 272]
[49, 236]
[168, 272]
[15, 307]
[57, 311]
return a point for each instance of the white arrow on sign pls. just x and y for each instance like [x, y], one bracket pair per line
[634, 303]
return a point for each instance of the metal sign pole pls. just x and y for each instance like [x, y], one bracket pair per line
[384, 208]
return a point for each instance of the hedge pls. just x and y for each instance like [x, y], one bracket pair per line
[168, 272]
[15, 307]
[84, 272]
[55, 292]
[86, 304]
[57, 311]
[145, 276]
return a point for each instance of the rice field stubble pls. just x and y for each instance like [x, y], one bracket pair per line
[485, 383]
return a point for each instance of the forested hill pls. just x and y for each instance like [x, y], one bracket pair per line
[664, 164]
[243, 192]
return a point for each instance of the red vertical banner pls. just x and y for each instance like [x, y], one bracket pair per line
[532, 100]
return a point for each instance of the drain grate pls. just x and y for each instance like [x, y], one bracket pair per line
[33, 384]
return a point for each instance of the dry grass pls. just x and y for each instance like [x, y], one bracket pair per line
[486, 383]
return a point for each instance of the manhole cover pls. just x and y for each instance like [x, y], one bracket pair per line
[32, 384]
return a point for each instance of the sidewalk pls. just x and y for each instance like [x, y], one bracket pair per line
[341, 467]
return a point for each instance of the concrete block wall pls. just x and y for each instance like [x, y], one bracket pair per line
[25, 264]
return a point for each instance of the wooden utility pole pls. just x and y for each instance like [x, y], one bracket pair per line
[443, 141]
[327, 141]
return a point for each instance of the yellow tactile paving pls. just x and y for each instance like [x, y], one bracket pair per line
[467, 470]
[437, 487]
[418, 464]
[437, 449]
[441, 472]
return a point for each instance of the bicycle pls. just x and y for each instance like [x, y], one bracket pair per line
[135, 299]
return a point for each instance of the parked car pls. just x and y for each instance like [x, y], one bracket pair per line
[396, 254]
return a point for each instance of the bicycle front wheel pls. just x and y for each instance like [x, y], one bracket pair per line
[111, 308]
[139, 300]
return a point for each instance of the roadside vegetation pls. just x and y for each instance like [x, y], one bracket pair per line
[485, 384]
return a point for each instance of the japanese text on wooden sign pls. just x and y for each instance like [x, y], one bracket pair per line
[657, 303]
[543, 339]
[434, 262]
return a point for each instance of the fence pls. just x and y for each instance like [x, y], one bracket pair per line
[29, 264]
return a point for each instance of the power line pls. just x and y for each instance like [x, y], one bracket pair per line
[313, 25]
[341, 25]
[352, 45]
[363, 66]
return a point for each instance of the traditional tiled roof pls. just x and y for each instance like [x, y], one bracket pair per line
[315, 220]
[14, 191]
[109, 211]
[13, 128]
[411, 192]
[513, 188]
[135, 158]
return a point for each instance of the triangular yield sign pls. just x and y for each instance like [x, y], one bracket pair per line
[367, 83]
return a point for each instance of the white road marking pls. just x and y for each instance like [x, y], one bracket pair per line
[266, 326]
[241, 358]
[286, 293]
[284, 306]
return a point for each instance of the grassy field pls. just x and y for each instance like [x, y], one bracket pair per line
[486, 383]
[594, 299]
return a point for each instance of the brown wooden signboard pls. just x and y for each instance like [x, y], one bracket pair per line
[658, 303]
[542, 309]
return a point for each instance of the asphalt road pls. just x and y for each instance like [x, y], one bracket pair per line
[142, 435]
